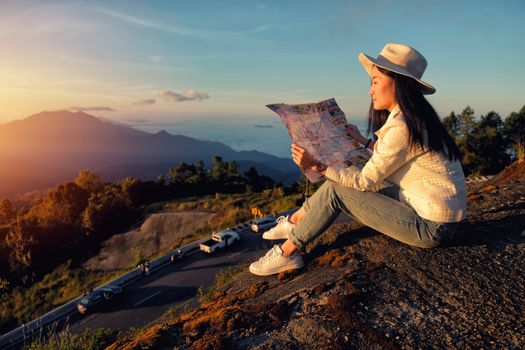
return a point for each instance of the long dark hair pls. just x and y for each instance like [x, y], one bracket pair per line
[418, 113]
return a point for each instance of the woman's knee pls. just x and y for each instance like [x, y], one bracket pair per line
[326, 191]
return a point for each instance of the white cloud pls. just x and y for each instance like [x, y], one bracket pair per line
[184, 30]
[144, 102]
[153, 25]
[137, 120]
[93, 109]
[189, 95]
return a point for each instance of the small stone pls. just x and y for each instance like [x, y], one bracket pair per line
[323, 300]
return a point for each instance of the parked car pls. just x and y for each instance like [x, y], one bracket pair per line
[219, 240]
[97, 298]
[263, 224]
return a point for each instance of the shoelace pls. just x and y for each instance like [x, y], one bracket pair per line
[281, 219]
[270, 255]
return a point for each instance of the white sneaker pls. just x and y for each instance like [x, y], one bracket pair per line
[281, 231]
[274, 262]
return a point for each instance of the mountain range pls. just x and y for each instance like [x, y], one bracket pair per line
[50, 147]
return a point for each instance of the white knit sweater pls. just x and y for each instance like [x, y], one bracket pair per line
[431, 184]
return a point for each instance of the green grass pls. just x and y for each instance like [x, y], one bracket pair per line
[89, 340]
[235, 208]
[58, 287]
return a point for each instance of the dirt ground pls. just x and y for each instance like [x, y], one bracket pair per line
[159, 232]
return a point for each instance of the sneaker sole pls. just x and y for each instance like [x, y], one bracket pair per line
[273, 238]
[277, 270]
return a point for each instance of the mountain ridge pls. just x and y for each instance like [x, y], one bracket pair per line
[71, 141]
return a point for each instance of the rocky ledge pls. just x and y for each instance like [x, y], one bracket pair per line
[361, 289]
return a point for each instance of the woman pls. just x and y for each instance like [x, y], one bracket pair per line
[412, 188]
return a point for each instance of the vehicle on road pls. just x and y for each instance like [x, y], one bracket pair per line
[263, 224]
[219, 240]
[97, 298]
[176, 256]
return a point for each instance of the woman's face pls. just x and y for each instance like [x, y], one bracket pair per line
[382, 90]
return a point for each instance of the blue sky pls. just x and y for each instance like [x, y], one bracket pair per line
[156, 61]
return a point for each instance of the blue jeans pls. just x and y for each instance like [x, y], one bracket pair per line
[380, 210]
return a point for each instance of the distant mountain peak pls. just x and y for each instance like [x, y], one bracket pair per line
[163, 133]
[61, 114]
[83, 114]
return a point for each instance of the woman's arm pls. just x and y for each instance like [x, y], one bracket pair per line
[390, 154]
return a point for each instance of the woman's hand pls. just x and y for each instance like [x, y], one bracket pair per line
[301, 157]
[352, 131]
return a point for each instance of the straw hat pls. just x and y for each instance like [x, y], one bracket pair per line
[401, 59]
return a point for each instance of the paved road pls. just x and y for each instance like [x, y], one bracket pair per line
[174, 284]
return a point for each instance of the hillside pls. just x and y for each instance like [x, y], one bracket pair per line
[361, 289]
[47, 148]
[159, 232]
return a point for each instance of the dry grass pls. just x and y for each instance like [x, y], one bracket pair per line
[513, 171]
[205, 326]
[335, 258]
[146, 339]
[285, 276]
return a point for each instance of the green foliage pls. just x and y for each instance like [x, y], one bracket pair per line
[56, 288]
[19, 242]
[231, 209]
[7, 212]
[89, 181]
[61, 206]
[218, 169]
[486, 143]
[514, 134]
[519, 148]
[224, 177]
[188, 174]
[89, 340]
[107, 211]
[451, 123]
[257, 182]
[138, 256]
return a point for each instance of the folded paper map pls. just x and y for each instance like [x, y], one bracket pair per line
[320, 129]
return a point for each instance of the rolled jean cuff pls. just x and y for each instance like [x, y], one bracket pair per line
[296, 242]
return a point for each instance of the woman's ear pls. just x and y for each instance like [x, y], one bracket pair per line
[394, 87]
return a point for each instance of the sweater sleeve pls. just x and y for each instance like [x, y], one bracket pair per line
[390, 153]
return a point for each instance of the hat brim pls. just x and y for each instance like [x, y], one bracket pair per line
[369, 62]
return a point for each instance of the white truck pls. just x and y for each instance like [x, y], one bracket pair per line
[219, 240]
